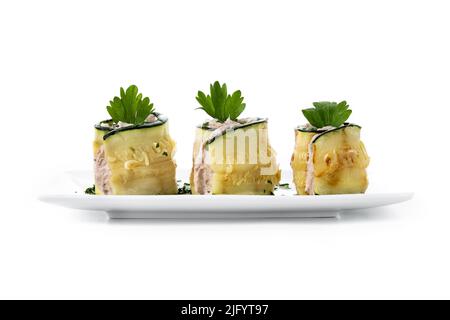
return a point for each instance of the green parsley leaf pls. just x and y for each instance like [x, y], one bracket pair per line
[326, 113]
[130, 107]
[219, 104]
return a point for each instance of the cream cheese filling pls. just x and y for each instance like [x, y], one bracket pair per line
[150, 119]
[102, 172]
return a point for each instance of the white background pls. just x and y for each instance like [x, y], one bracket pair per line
[61, 62]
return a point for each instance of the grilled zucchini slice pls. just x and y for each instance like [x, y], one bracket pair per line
[238, 160]
[332, 161]
[135, 159]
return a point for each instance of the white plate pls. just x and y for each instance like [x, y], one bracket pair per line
[284, 204]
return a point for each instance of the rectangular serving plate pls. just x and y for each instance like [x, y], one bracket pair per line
[284, 204]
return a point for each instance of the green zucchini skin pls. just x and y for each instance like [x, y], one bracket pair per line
[245, 125]
[345, 125]
[99, 126]
[258, 120]
[313, 129]
[161, 120]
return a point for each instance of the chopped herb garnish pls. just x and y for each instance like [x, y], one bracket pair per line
[326, 113]
[219, 104]
[90, 190]
[283, 186]
[185, 189]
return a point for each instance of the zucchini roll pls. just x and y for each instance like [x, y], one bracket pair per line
[329, 156]
[133, 152]
[231, 155]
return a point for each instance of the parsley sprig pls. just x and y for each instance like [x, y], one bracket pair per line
[130, 107]
[326, 113]
[219, 104]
